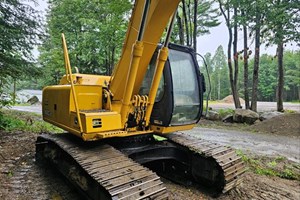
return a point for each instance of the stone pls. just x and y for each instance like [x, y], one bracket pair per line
[245, 116]
[228, 119]
[269, 115]
[33, 100]
[213, 115]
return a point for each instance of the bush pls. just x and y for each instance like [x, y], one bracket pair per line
[21, 121]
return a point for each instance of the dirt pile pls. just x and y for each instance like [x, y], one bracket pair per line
[288, 124]
[229, 99]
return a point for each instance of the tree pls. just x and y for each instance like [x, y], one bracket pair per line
[259, 7]
[94, 31]
[220, 74]
[19, 29]
[282, 27]
[267, 81]
[194, 18]
[244, 20]
[292, 75]
[225, 7]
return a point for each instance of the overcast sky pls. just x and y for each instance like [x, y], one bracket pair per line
[210, 42]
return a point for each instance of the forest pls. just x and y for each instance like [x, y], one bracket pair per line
[95, 31]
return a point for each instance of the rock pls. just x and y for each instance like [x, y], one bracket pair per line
[213, 115]
[33, 100]
[257, 121]
[269, 115]
[245, 116]
[228, 119]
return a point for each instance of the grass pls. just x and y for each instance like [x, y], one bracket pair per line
[224, 112]
[290, 111]
[23, 121]
[22, 104]
[295, 101]
[279, 166]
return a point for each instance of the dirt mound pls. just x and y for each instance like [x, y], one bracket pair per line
[229, 99]
[288, 124]
[263, 187]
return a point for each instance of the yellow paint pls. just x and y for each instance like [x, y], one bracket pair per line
[70, 78]
[161, 60]
[86, 79]
[137, 52]
[171, 129]
[160, 12]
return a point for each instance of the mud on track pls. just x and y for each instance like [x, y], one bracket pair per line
[21, 178]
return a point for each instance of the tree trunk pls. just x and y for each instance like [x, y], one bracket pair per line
[232, 80]
[246, 90]
[14, 92]
[180, 28]
[195, 25]
[219, 86]
[235, 93]
[256, 67]
[186, 25]
[280, 77]
[190, 23]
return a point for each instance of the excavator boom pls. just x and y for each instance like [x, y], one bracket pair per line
[158, 17]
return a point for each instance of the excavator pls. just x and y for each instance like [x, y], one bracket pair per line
[124, 130]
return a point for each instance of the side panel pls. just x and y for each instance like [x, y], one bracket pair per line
[58, 103]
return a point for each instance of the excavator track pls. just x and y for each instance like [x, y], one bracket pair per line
[98, 170]
[230, 166]
[186, 160]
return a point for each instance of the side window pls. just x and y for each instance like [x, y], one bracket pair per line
[185, 88]
[146, 84]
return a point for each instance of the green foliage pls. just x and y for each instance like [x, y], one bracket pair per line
[19, 30]
[224, 112]
[217, 68]
[207, 17]
[94, 32]
[22, 121]
[278, 166]
[282, 24]
[268, 76]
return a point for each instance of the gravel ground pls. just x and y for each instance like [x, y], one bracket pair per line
[254, 143]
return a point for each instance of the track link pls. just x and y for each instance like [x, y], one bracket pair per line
[231, 166]
[99, 171]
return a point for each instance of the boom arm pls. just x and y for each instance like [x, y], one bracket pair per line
[160, 12]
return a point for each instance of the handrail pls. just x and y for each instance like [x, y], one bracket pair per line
[70, 78]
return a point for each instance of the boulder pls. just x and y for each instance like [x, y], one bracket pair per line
[228, 119]
[33, 100]
[269, 115]
[213, 115]
[245, 116]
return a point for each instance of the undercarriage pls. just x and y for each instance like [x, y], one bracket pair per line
[125, 168]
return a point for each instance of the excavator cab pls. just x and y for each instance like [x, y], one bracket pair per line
[179, 98]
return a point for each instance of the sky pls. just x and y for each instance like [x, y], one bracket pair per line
[219, 36]
[206, 43]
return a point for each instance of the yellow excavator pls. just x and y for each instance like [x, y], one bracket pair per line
[121, 128]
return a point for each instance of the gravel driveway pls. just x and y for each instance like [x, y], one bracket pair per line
[257, 143]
